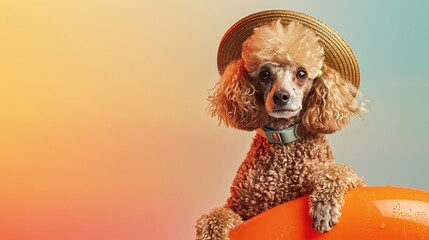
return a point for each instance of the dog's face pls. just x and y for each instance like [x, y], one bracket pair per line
[284, 88]
[278, 77]
[283, 61]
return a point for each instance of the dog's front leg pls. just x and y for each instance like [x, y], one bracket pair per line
[216, 224]
[330, 182]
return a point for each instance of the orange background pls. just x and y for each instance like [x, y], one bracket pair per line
[103, 126]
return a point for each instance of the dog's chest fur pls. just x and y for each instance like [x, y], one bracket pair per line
[275, 173]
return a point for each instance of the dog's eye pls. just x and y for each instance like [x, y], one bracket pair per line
[264, 74]
[301, 74]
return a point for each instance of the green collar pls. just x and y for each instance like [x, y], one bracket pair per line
[284, 136]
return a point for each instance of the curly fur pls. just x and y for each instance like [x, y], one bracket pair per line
[223, 218]
[234, 102]
[288, 45]
[272, 174]
[332, 103]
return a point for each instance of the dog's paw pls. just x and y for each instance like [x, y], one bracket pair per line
[216, 224]
[324, 216]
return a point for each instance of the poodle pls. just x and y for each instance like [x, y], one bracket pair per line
[281, 82]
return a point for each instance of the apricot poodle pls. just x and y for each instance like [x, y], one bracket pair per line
[281, 82]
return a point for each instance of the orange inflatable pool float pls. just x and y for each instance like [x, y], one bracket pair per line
[369, 213]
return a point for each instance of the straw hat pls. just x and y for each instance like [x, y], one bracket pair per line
[338, 54]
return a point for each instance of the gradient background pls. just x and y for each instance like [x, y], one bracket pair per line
[103, 127]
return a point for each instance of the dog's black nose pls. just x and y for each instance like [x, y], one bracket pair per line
[280, 98]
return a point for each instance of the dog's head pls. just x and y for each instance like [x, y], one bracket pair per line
[282, 75]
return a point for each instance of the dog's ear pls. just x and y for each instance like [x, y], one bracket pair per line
[234, 101]
[331, 103]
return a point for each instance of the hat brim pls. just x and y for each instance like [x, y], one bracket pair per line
[338, 54]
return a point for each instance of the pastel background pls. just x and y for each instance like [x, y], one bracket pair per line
[103, 128]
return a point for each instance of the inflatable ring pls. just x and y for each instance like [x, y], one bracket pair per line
[369, 213]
